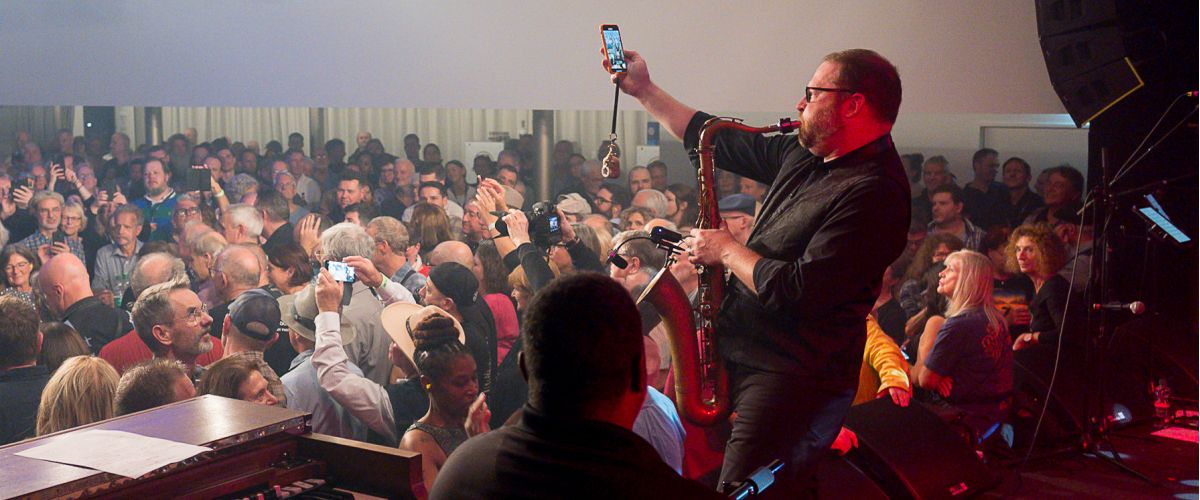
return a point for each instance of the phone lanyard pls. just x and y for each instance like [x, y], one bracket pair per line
[612, 161]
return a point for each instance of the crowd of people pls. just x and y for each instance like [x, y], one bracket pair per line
[137, 278]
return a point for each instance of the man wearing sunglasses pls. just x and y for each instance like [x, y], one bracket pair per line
[791, 326]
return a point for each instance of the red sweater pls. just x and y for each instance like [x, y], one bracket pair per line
[128, 350]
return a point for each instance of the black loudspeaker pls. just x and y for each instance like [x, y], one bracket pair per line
[1089, 47]
[1063, 423]
[910, 453]
[837, 478]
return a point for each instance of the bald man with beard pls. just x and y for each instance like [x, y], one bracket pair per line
[64, 283]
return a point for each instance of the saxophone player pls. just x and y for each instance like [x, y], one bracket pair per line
[790, 326]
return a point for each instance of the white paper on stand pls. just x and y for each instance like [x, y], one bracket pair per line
[122, 453]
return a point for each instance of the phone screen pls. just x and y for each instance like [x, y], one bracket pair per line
[554, 224]
[341, 271]
[200, 179]
[612, 47]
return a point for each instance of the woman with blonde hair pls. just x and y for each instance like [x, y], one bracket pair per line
[968, 365]
[79, 393]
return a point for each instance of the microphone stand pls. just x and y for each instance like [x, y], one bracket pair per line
[1096, 425]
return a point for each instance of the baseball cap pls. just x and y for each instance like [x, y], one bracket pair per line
[456, 282]
[737, 203]
[255, 313]
[573, 203]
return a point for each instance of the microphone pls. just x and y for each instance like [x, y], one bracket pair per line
[1136, 307]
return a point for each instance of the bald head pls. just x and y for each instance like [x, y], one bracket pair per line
[154, 268]
[239, 270]
[64, 281]
[452, 251]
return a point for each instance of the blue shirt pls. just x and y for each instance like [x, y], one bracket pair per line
[304, 393]
[658, 423]
[113, 268]
[980, 362]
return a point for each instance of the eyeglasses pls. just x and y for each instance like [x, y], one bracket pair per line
[69, 218]
[196, 314]
[602, 200]
[187, 211]
[20, 266]
[808, 94]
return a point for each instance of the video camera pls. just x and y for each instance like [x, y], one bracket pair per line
[545, 227]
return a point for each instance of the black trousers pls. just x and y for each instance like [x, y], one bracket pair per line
[782, 416]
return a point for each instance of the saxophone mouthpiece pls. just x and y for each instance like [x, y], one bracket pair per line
[788, 125]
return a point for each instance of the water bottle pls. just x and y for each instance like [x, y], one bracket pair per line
[119, 292]
[1162, 404]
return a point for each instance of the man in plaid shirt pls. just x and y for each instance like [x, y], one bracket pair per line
[47, 208]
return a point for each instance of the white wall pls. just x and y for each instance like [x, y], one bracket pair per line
[1043, 140]
[955, 56]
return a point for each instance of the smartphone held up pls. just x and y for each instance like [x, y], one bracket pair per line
[613, 48]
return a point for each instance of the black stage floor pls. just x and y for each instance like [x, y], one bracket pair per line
[1171, 463]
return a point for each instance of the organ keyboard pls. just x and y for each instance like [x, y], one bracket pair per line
[255, 448]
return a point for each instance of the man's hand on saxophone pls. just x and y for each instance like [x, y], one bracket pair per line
[717, 246]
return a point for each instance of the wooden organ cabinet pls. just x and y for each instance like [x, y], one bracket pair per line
[254, 449]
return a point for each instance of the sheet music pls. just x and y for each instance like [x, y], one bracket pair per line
[123, 453]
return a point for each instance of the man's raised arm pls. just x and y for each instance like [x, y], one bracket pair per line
[636, 82]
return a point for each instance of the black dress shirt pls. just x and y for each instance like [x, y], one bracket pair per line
[826, 232]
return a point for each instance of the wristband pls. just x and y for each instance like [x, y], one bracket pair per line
[384, 283]
[219, 194]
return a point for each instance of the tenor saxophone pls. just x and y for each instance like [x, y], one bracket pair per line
[701, 381]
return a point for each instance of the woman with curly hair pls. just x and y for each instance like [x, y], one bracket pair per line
[1035, 251]
[448, 375]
